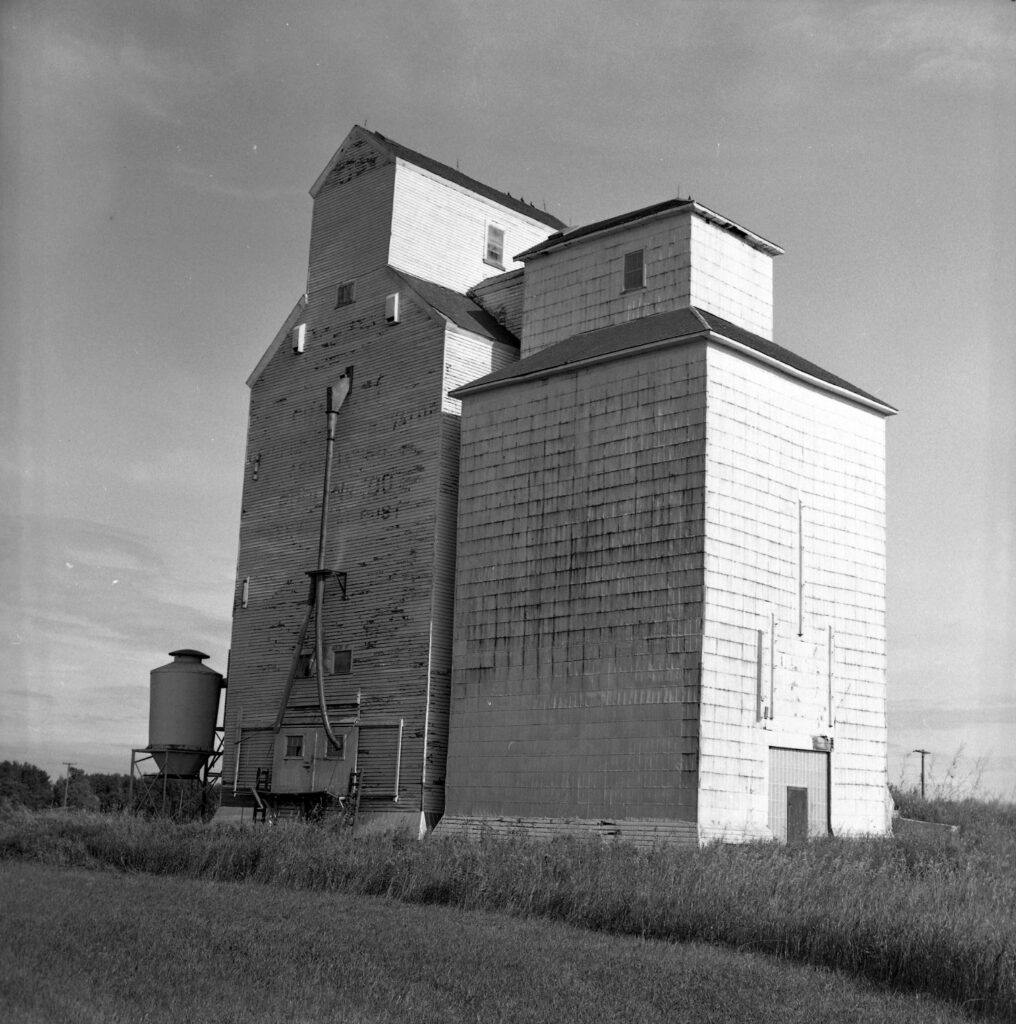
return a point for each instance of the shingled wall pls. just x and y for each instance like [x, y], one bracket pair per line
[575, 680]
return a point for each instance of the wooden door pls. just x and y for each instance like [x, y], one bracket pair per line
[797, 814]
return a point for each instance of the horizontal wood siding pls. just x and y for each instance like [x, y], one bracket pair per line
[351, 220]
[503, 297]
[382, 524]
[646, 835]
[578, 594]
[439, 230]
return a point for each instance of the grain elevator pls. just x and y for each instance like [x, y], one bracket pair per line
[589, 552]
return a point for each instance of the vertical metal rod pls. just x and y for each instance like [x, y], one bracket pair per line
[923, 754]
[758, 678]
[772, 665]
[67, 781]
[238, 747]
[800, 568]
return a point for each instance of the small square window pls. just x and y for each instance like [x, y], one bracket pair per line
[346, 293]
[341, 662]
[634, 270]
[494, 253]
[294, 746]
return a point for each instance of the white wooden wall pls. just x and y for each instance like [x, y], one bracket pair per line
[795, 595]
[439, 230]
[731, 278]
[689, 262]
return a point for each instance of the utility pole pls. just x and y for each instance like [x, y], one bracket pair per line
[923, 754]
[67, 780]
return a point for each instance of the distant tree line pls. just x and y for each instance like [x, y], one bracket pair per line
[25, 785]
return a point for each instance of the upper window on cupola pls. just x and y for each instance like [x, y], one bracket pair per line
[634, 270]
[494, 251]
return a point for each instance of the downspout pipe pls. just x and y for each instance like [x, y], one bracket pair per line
[334, 399]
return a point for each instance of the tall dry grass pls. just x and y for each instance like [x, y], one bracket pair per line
[915, 913]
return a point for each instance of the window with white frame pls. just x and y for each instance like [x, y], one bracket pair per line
[494, 250]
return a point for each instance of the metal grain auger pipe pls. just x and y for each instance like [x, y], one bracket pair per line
[341, 390]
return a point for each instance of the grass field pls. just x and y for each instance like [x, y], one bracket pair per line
[913, 914]
[101, 948]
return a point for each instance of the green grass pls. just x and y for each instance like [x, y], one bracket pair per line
[93, 947]
[916, 914]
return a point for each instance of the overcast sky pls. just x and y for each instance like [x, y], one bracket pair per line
[155, 158]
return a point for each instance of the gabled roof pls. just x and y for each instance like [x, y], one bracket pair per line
[678, 327]
[449, 305]
[565, 238]
[459, 309]
[277, 342]
[397, 151]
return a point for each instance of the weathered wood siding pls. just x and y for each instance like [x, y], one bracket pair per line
[352, 217]
[503, 297]
[688, 262]
[467, 357]
[794, 626]
[384, 507]
[393, 503]
[578, 595]
[581, 287]
[439, 230]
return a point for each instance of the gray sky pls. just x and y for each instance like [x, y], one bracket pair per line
[155, 159]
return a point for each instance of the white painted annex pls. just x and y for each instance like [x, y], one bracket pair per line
[670, 587]
[793, 650]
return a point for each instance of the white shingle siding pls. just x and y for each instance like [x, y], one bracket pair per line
[772, 443]
[731, 278]
[689, 261]
[580, 287]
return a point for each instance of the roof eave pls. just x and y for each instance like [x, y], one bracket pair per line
[668, 208]
[857, 397]
[278, 340]
[708, 334]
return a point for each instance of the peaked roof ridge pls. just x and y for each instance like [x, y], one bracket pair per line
[452, 174]
[772, 352]
[287, 325]
[566, 237]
